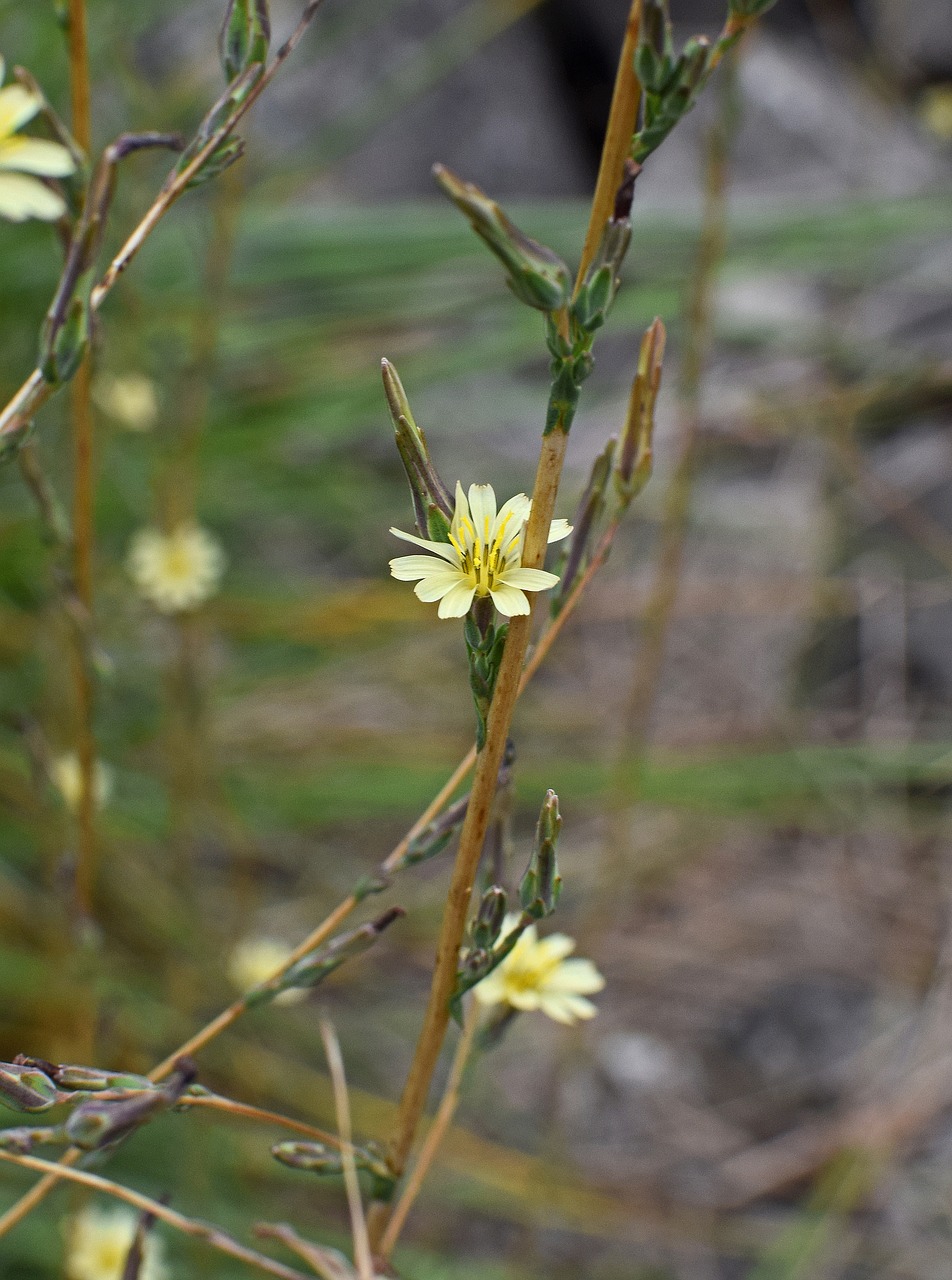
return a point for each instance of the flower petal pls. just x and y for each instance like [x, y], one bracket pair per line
[17, 106]
[575, 977]
[482, 508]
[444, 549]
[436, 586]
[409, 568]
[567, 1009]
[509, 600]
[517, 509]
[22, 197]
[456, 601]
[558, 530]
[530, 579]
[35, 155]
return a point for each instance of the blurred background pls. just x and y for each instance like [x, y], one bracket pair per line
[747, 721]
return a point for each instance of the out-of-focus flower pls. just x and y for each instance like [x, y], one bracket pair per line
[66, 777]
[176, 571]
[537, 975]
[935, 110]
[98, 1244]
[254, 960]
[129, 399]
[23, 161]
[482, 558]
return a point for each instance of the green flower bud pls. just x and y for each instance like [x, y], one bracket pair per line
[542, 885]
[24, 1087]
[635, 453]
[245, 36]
[432, 501]
[537, 276]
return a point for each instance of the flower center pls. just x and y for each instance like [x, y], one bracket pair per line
[484, 559]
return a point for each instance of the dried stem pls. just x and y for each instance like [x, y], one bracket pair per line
[435, 1133]
[188, 1226]
[215, 1102]
[83, 512]
[358, 1223]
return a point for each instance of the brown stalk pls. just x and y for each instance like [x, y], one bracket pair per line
[548, 473]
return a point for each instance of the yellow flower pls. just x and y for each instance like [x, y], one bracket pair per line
[98, 1243]
[176, 571]
[935, 110]
[255, 960]
[128, 398]
[482, 558]
[65, 776]
[23, 196]
[537, 975]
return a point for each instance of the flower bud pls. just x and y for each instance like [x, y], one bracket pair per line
[489, 918]
[24, 1087]
[313, 1157]
[245, 36]
[95, 1124]
[635, 453]
[312, 969]
[537, 276]
[432, 501]
[542, 885]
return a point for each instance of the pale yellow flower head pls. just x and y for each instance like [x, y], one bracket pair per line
[129, 399]
[537, 975]
[256, 959]
[935, 110]
[23, 161]
[176, 571]
[98, 1243]
[482, 558]
[67, 779]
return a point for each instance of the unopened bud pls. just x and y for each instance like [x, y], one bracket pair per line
[542, 885]
[26, 1088]
[245, 36]
[635, 451]
[537, 276]
[489, 918]
[95, 1124]
[312, 969]
[432, 502]
[313, 1157]
[92, 1080]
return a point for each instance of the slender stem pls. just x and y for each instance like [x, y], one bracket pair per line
[83, 513]
[79, 92]
[622, 118]
[478, 812]
[188, 1226]
[435, 1133]
[215, 1102]
[358, 1223]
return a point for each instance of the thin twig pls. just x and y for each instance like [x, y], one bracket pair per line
[212, 1235]
[358, 1223]
[216, 1102]
[435, 1133]
[83, 511]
